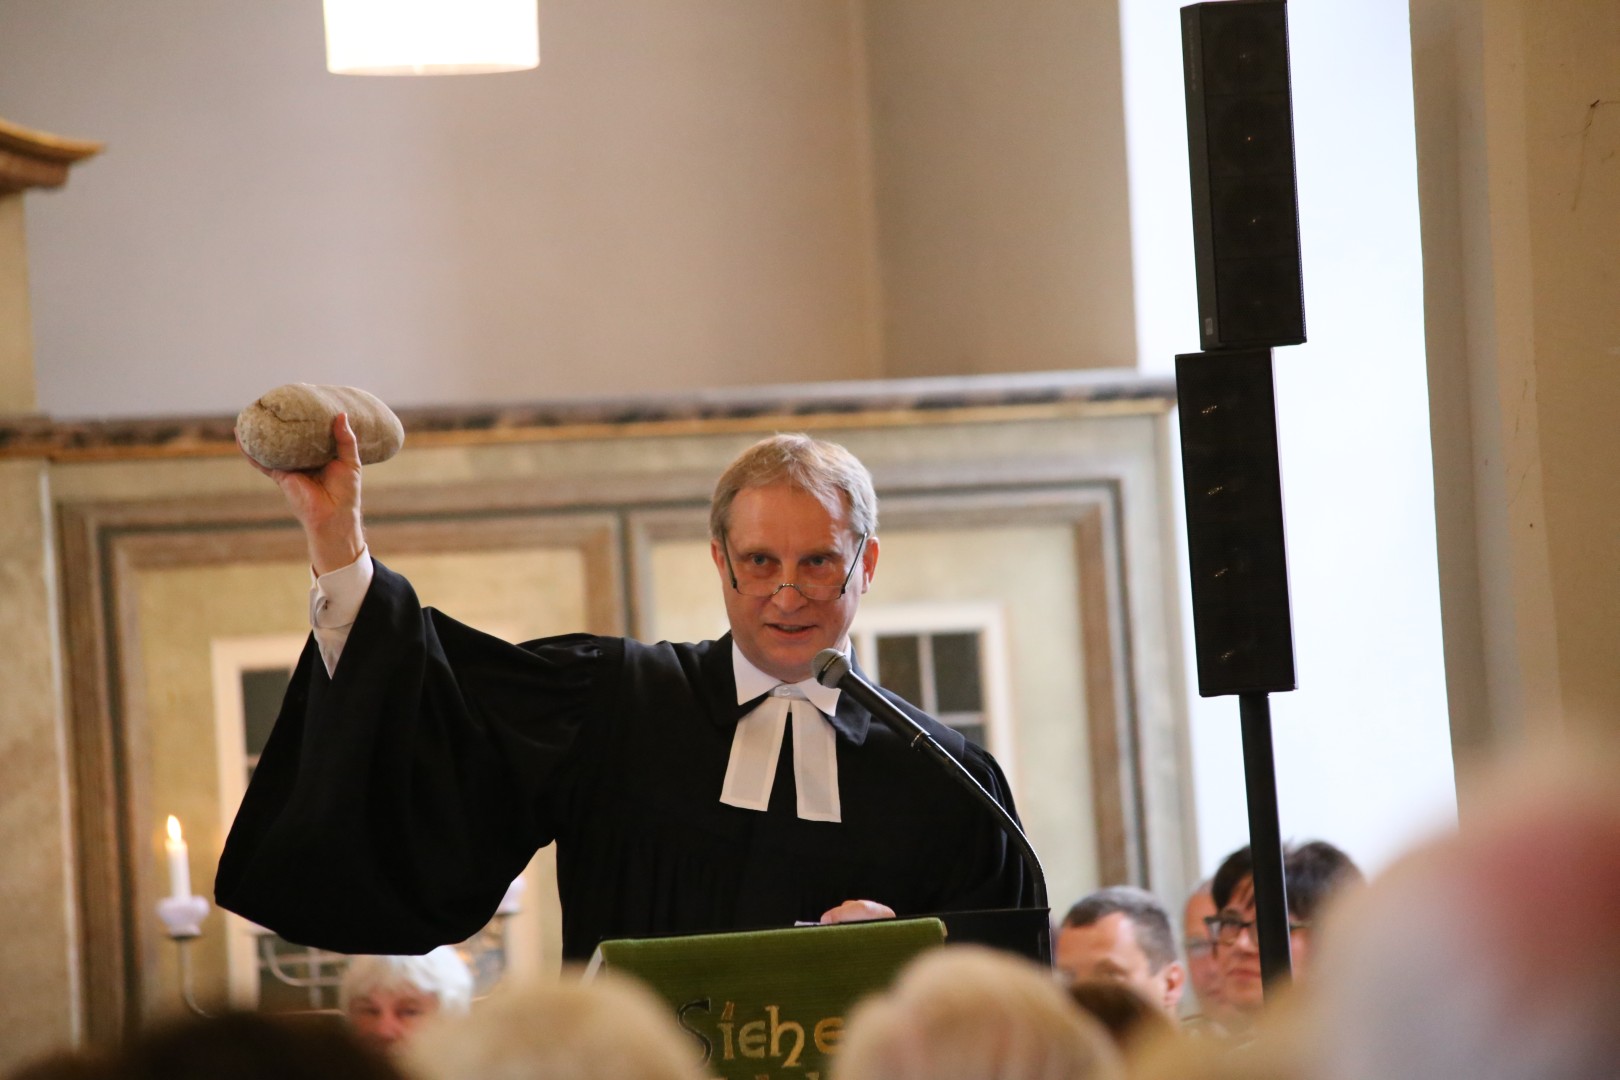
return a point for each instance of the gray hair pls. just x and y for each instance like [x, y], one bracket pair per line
[823, 469]
[441, 973]
[1152, 922]
[964, 1012]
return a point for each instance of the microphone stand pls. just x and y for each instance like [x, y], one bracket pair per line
[832, 668]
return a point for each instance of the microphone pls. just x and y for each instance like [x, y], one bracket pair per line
[832, 669]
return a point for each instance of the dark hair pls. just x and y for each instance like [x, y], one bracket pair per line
[1129, 1017]
[1152, 922]
[1312, 872]
[250, 1046]
[68, 1065]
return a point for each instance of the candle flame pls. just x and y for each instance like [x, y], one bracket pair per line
[174, 828]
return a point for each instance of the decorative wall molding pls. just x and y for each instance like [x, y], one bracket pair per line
[38, 159]
[817, 406]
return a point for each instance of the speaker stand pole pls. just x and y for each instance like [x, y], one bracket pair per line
[1265, 842]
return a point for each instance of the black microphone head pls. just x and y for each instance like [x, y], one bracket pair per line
[830, 667]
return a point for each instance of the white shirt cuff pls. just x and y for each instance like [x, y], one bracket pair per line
[334, 603]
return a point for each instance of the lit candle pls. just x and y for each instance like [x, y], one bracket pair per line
[179, 861]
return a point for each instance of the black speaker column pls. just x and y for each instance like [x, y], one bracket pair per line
[1240, 141]
[1235, 547]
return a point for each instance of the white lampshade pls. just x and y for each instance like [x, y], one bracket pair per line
[431, 37]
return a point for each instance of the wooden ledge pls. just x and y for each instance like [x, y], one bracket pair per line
[38, 159]
[811, 406]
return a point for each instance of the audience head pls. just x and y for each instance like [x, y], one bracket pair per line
[67, 1065]
[1131, 1019]
[387, 998]
[969, 1013]
[251, 1046]
[1122, 934]
[1203, 971]
[605, 1029]
[1490, 954]
[1313, 874]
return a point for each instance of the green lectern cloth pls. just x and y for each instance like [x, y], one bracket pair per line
[770, 1003]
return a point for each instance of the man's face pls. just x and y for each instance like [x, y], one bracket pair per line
[1202, 967]
[386, 1018]
[1239, 960]
[782, 534]
[1108, 949]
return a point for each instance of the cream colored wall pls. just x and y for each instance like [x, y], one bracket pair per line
[1030, 572]
[675, 198]
[40, 1003]
[999, 166]
[1520, 190]
[684, 195]
[179, 614]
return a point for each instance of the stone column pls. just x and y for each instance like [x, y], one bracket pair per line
[41, 1008]
[1518, 137]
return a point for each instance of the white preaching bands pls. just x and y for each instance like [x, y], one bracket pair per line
[334, 602]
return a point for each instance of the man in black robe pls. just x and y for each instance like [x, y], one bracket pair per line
[417, 764]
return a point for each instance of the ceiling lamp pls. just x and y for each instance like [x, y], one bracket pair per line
[431, 37]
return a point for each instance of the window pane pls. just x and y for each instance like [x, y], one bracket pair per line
[262, 692]
[956, 673]
[305, 965]
[898, 667]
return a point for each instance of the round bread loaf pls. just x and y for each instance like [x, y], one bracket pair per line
[291, 426]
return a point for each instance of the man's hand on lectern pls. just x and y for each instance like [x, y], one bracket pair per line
[857, 911]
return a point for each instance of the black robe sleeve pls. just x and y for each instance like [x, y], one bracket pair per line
[396, 800]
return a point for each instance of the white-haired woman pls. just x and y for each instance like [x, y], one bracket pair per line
[387, 997]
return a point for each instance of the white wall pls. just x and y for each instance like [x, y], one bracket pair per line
[1363, 750]
[676, 197]
[1000, 185]
[683, 195]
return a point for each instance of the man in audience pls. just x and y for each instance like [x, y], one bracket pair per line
[1313, 873]
[386, 998]
[1203, 972]
[1122, 934]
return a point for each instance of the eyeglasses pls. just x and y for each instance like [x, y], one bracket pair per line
[824, 580]
[1225, 929]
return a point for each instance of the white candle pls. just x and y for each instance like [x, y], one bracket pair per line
[179, 861]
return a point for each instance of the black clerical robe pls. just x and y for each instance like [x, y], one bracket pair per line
[396, 799]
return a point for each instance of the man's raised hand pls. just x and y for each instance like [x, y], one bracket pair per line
[326, 501]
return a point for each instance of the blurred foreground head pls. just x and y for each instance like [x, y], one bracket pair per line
[250, 1046]
[966, 1013]
[1492, 954]
[605, 1029]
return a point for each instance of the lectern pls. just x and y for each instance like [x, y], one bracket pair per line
[767, 1003]
[770, 1002]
